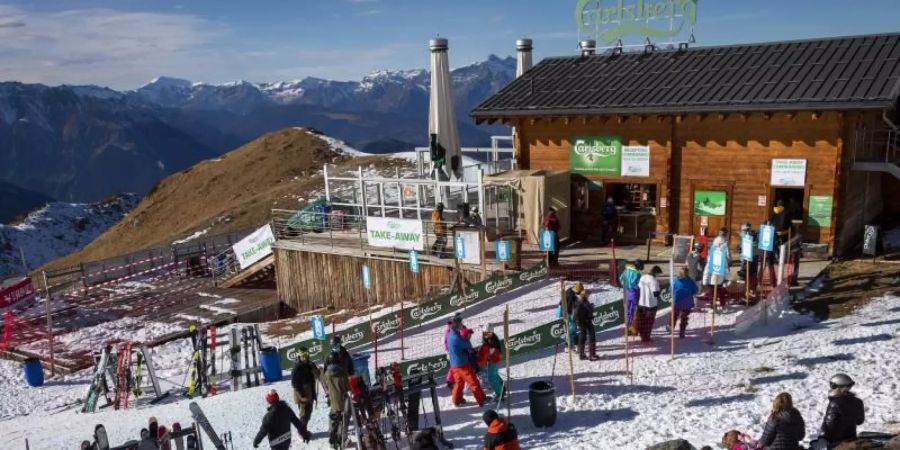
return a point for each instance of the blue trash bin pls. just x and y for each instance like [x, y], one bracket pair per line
[270, 362]
[361, 366]
[34, 372]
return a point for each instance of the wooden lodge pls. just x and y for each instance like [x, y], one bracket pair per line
[726, 132]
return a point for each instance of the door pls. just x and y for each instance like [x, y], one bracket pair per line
[710, 208]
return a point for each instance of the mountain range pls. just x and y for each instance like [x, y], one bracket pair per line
[83, 143]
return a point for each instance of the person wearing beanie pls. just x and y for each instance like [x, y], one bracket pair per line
[462, 367]
[501, 435]
[337, 385]
[571, 300]
[648, 303]
[490, 355]
[587, 333]
[276, 424]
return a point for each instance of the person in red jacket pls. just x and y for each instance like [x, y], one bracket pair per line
[489, 358]
[501, 435]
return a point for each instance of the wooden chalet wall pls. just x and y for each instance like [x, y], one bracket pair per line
[311, 280]
[734, 150]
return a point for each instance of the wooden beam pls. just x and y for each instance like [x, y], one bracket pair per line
[701, 117]
[584, 120]
[767, 116]
[621, 119]
[816, 115]
[565, 120]
[533, 120]
[790, 115]
[679, 118]
[603, 120]
[641, 119]
[744, 117]
[721, 117]
[660, 118]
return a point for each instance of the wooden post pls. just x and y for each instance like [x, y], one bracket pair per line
[747, 280]
[648, 247]
[565, 313]
[712, 329]
[402, 315]
[507, 387]
[49, 324]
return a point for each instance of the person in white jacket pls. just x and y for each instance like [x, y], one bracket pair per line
[648, 303]
[709, 278]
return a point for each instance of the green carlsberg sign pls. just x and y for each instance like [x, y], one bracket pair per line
[596, 155]
[610, 20]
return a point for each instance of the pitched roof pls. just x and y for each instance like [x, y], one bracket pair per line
[858, 72]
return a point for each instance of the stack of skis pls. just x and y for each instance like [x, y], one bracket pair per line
[118, 374]
[156, 436]
[204, 374]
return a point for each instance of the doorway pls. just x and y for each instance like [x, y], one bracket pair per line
[792, 198]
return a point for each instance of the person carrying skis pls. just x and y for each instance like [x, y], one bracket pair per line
[501, 435]
[587, 333]
[489, 357]
[276, 424]
[572, 294]
[683, 291]
[648, 303]
[337, 384]
[629, 281]
[844, 413]
[304, 380]
[460, 352]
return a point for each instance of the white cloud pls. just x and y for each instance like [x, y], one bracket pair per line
[104, 46]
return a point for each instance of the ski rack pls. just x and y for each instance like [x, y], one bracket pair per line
[109, 378]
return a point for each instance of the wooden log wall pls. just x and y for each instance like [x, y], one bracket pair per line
[309, 280]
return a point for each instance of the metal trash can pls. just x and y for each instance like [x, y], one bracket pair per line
[542, 403]
[270, 362]
[361, 366]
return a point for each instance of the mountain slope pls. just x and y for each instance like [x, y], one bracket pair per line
[15, 201]
[58, 229]
[234, 192]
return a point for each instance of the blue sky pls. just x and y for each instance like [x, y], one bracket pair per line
[125, 43]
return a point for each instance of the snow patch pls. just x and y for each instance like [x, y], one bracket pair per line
[190, 238]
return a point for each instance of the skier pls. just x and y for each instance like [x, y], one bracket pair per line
[440, 230]
[785, 427]
[337, 384]
[696, 262]
[341, 355]
[844, 413]
[683, 291]
[572, 294]
[629, 281]
[551, 223]
[304, 379]
[489, 357]
[460, 352]
[453, 324]
[276, 424]
[501, 435]
[587, 334]
[649, 301]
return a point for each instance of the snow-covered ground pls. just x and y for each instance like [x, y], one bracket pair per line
[701, 393]
[57, 230]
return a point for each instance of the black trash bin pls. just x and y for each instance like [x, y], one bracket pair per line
[542, 403]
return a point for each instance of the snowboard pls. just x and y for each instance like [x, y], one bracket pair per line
[201, 419]
[100, 439]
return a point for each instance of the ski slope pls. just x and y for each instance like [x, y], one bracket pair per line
[699, 395]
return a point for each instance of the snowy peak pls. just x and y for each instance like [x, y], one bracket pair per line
[167, 83]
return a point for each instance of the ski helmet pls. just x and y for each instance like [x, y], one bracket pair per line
[303, 354]
[841, 380]
[490, 416]
[457, 318]
[639, 264]
[272, 396]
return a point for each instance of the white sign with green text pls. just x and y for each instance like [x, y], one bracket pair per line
[788, 172]
[254, 247]
[402, 234]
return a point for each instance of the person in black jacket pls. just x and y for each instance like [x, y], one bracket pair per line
[785, 427]
[584, 320]
[304, 380]
[276, 424]
[341, 356]
[844, 413]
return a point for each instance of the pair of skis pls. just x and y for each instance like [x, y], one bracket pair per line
[251, 343]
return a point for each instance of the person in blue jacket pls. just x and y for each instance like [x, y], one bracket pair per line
[461, 356]
[629, 281]
[683, 291]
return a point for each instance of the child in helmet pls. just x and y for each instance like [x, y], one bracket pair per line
[490, 355]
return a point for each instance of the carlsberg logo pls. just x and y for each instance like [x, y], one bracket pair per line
[597, 148]
[519, 342]
[558, 330]
[423, 312]
[608, 317]
[352, 338]
[459, 300]
[493, 286]
[314, 350]
[433, 366]
[386, 326]
[528, 276]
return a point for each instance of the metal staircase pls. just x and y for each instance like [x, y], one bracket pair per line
[877, 151]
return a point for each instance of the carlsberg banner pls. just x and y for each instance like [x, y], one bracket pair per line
[444, 305]
[402, 234]
[254, 247]
[596, 155]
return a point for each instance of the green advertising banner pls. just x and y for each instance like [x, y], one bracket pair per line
[820, 211]
[444, 305]
[710, 203]
[596, 155]
[437, 365]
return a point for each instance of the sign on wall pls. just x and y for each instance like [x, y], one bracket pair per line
[471, 242]
[254, 247]
[501, 250]
[710, 203]
[635, 161]
[788, 172]
[14, 293]
[413, 261]
[820, 211]
[609, 21]
[596, 155]
[402, 234]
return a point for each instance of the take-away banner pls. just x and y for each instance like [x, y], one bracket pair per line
[445, 305]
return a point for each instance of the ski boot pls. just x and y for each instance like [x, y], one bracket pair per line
[594, 356]
[581, 354]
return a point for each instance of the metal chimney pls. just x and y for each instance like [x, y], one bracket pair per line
[438, 45]
[523, 56]
[588, 47]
